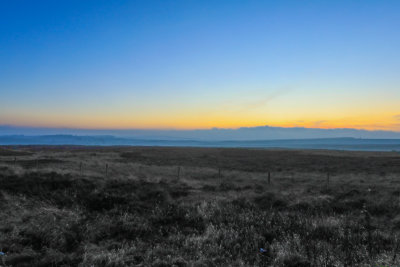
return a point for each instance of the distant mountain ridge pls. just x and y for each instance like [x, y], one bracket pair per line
[106, 140]
[214, 134]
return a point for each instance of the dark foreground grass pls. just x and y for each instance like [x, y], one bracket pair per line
[56, 218]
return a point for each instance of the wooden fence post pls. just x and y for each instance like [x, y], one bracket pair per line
[106, 169]
[80, 168]
[327, 179]
[269, 178]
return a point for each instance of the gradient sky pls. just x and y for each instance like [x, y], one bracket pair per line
[200, 64]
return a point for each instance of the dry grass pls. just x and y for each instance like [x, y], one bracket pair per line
[140, 213]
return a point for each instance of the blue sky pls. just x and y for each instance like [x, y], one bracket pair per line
[200, 64]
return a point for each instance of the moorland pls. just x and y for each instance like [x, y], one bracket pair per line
[167, 206]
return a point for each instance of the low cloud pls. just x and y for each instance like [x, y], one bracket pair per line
[319, 123]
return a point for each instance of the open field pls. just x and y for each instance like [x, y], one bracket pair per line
[158, 206]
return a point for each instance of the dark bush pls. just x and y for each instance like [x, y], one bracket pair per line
[296, 261]
[270, 200]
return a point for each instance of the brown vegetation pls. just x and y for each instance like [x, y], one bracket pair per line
[59, 207]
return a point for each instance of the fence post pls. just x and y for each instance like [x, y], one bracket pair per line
[398, 195]
[219, 173]
[80, 168]
[179, 171]
[269, 178]
[106, 169]
[37, 164]
[327, 179]
[15, 161]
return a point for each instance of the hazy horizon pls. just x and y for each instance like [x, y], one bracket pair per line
[212, 134]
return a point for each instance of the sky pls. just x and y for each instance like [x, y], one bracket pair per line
[200, 64]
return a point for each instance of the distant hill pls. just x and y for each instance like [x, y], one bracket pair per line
[106, 140]
[214, 134]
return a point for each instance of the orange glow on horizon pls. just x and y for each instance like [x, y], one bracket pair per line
[388, 123]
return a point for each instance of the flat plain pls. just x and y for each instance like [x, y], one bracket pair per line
[166, 206]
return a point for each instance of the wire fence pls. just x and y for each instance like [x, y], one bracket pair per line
[112, 167]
